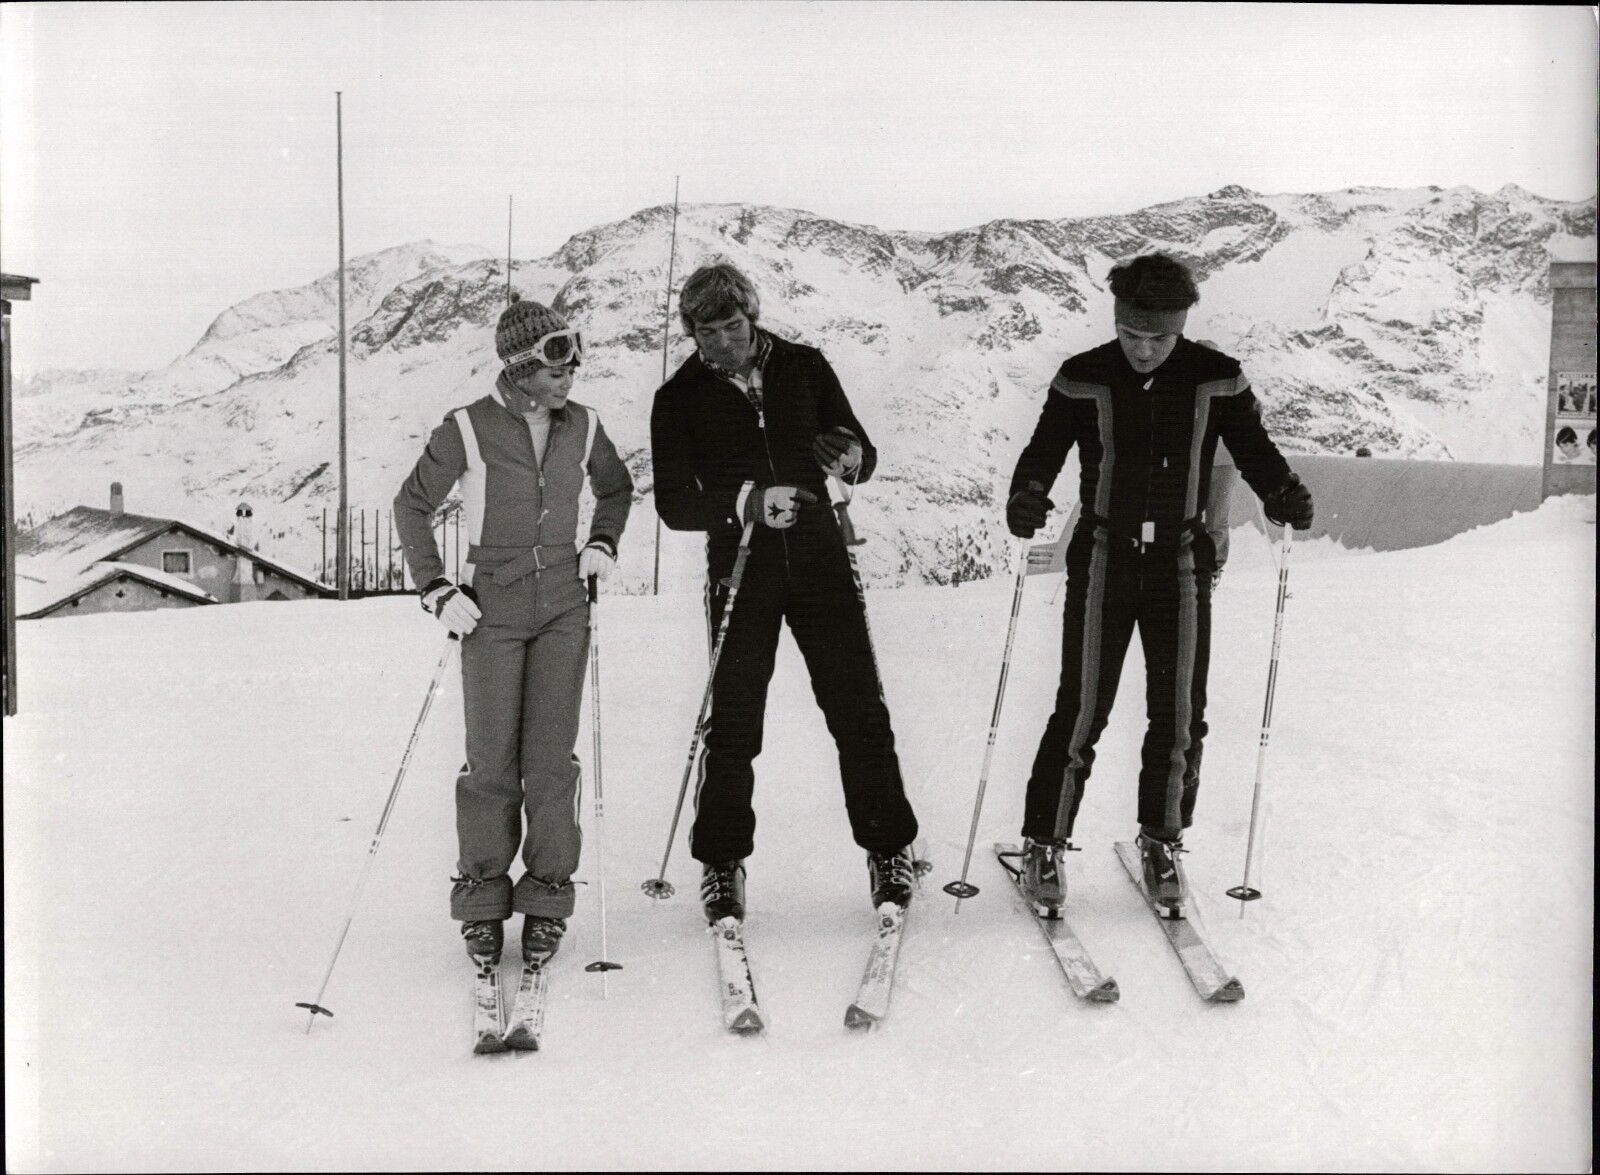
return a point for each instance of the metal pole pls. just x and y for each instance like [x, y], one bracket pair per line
[847, 531]
[343, 543]
[666, 325]
[658, 886]
[508, 249]
[315, 1008]
[963, 888]
[602, 964]
[11, 525]
[1245, 892]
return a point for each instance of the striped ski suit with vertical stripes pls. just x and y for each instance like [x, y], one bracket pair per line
[1139, 558]
[522, 667]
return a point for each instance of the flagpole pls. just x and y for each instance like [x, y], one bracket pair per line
[666, 324]
[343, 545]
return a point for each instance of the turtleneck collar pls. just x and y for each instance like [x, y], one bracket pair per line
[508, 394]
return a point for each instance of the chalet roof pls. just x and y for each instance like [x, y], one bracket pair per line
[70, 543]
[37, 597]
[17, 286]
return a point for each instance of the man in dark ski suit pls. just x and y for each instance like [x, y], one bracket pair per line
[743, 433]
[1146, 412]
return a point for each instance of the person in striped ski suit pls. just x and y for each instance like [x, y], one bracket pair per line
[1146, 412]
[521, 454]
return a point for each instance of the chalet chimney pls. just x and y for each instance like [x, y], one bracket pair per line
[116, 499]
[244, 574]
[243, 527]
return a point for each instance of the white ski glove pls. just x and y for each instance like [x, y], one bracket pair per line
[451, 606]
[597, 560]
[776, 506]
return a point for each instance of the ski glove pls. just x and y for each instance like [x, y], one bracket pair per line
[596, 559]
[776, 506]
[453, 606]
[1289, 504]
[1027, 510]
[838, 451]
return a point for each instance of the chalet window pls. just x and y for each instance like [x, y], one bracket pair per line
[175, 562]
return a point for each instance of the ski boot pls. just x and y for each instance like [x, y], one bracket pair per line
[722, 891]
[541, 937]
[484, 940]
[891, 875]
[1042, 881]
[1163, 879]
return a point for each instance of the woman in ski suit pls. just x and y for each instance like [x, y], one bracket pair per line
[521, 454]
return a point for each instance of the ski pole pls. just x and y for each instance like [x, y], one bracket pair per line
[601, 965]
[963, 888]
[315, 1007]
[1246, 892]
[658, 886]
[920, 864]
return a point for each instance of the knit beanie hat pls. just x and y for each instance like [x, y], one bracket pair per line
[521, 325]
[1153, 293]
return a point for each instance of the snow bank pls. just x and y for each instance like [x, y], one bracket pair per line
[190, 796]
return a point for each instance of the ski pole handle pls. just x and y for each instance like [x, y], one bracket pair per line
[841, 510]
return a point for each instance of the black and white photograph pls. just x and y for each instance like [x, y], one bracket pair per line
[876, 585]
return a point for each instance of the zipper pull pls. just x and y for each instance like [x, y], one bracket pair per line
[761, 419]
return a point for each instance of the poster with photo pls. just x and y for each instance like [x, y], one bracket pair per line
[1573, 442]
[1575, 393]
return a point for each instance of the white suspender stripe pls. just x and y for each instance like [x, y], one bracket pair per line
[472, 483]
[591, 421]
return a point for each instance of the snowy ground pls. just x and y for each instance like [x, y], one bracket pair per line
[189, 797]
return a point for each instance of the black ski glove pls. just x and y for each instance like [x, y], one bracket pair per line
[838, 451]
[1027, 510]
[776, 506]
[1289, 504]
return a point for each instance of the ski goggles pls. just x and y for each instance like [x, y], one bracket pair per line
[556, 349]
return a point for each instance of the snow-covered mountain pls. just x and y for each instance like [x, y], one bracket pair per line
[1413, 321]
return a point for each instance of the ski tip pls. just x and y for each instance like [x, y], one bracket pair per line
[1230, 992]
[521, 1042]
[859, 1018]
[747, 1023]
[1107, 993]
[490, 1044]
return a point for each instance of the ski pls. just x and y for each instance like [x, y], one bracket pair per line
[740, 1012]
[877, 983]
[1080, 970]
[527, 1010]
[1210, 978]
[487, 1014]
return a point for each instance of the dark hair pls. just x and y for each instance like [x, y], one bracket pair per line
[1156, 282]
[1590, 438]
[715, 291]
[1566, 436]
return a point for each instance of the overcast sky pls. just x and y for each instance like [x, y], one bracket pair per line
[158, 163]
